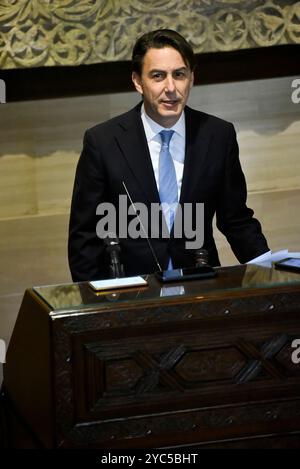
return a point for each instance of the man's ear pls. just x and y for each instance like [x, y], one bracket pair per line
[192, 80]
[137, 82]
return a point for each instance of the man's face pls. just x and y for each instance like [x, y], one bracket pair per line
[165, 83]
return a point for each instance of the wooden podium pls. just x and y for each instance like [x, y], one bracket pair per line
[206, 363]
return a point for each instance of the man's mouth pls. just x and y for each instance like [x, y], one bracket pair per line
[169, 102]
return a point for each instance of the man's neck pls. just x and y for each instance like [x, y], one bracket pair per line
[165, 123]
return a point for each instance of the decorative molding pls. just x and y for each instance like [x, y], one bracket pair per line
[205, 424]
[35, 33]
[116, 373]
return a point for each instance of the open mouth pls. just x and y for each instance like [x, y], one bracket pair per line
[170, 103]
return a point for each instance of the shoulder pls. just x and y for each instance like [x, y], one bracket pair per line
[111, 126]
[199, 119]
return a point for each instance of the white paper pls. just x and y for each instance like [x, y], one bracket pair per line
[123, 282]
[269, 257]
[294, 254]
[264, 257]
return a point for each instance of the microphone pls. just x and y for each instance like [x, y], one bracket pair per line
[143, 228]
[113, 248]
[201, 256]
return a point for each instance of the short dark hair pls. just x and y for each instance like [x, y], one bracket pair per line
[159, 39]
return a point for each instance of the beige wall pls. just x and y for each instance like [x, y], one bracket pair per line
[40, 143]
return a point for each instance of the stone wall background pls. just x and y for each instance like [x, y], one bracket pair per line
[36, 33]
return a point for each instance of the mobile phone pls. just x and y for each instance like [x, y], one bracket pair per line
[187, 273]
[289, 263]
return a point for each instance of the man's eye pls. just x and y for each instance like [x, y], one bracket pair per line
[157, 76]
[180, 74]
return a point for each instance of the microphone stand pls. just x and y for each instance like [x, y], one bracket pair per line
[116, 269]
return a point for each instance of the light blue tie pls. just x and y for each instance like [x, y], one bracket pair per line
[168, 190]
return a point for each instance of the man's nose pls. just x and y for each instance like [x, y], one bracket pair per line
[170, 84]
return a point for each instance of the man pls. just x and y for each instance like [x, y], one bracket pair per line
[128, 156]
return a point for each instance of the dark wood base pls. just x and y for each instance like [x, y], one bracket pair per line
[211, 368]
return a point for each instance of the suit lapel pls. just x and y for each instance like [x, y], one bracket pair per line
[197, 144]
[132, 141]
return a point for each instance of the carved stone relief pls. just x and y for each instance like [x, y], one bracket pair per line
[45, 33]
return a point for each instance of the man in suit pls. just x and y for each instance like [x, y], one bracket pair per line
[202, 151]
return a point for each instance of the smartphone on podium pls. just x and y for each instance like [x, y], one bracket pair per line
[187, 273]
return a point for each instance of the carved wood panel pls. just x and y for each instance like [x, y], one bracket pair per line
[157, 372]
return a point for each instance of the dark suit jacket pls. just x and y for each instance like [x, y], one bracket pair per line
[117, 151]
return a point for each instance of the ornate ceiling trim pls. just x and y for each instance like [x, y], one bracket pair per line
[35, 33]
